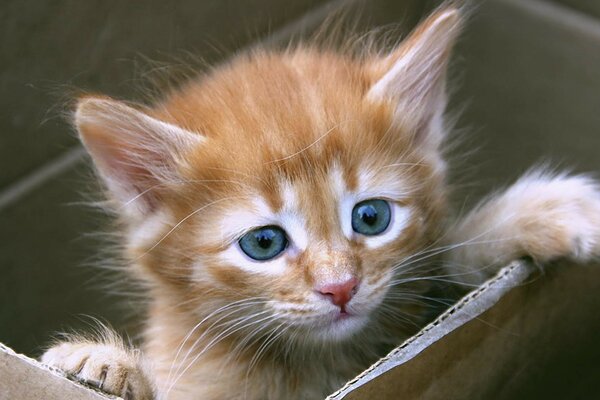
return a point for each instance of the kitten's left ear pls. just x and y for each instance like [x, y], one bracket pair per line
[413, 75]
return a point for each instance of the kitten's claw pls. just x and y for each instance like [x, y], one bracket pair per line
[110, 368]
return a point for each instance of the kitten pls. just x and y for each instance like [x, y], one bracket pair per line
[286, 213]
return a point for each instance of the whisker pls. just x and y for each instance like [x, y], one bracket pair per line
[268, 341]
[223, 335]
[214, 325]
[307, 147]
[182, 221]
[243, 302]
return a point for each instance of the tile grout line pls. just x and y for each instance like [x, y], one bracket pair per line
[59, 164]
[560, 14]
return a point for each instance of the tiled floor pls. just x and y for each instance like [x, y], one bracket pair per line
[527, 72]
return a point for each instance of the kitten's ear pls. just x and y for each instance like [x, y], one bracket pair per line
[136, 154]
[413, 75]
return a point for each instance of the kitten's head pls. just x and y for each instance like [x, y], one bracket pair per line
[294, 186]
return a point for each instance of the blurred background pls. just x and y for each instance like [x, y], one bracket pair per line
[526, 79]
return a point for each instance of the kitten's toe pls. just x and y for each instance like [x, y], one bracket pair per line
[110, 368]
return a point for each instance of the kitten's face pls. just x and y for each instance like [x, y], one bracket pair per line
[320, 245]
[295, 189]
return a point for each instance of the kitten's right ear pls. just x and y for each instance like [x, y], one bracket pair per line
[412, 76]
[136, 155]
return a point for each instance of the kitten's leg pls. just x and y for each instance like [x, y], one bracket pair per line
[541, 216]
[108, 365]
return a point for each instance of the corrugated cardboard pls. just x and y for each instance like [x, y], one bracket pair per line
[526, 333]
[22, 378]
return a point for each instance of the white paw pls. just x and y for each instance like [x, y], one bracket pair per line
[542, 216]
[110, 368]
[556, 217]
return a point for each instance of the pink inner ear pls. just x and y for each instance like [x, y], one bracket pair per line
[124, 167]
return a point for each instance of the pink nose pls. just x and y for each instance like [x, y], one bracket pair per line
[340, 293]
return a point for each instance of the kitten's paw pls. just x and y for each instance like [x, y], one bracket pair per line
[542, 216]
[556, 217]
[111, 368]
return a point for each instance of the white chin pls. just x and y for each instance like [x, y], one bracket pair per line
[339, 328]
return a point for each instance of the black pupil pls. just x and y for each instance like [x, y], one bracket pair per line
[265, 238]
[368, 214]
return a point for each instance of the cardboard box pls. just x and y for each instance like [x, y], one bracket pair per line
[22, 378]
[526, 333]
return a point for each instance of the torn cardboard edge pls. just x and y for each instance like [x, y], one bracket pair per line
[466, 309]
[52, 384]
[24, 378]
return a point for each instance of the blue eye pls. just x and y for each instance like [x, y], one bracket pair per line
[264, 243]
[371, 217]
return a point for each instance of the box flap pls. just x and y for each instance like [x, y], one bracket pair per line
[26, 379]
[523, 334]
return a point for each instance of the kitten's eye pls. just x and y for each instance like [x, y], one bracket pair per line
[264, 243]
[371, 217]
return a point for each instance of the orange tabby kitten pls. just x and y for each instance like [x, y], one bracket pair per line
[284, 212]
